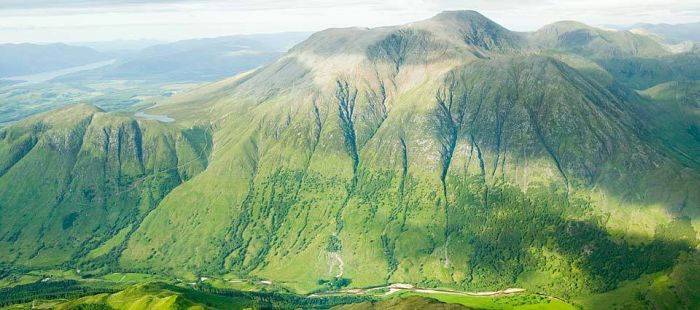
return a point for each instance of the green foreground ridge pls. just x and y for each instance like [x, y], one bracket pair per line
[140, 291]
[450, 154]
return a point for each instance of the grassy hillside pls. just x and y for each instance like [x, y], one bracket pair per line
[86, 175]
[156, 295]
[641, 73]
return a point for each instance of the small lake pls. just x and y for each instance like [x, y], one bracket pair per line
[155, 117]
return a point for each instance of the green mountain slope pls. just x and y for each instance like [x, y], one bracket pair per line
[449, 152]
[74, 178]
[641, 73]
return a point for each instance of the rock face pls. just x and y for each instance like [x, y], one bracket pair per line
[448, 152]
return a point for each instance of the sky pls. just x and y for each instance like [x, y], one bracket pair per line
[168, 20]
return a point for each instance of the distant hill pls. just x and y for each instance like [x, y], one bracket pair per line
[575, 37]
[120, 45]
[195, 60]
[673, 33]
[137, 73]
[26, 58]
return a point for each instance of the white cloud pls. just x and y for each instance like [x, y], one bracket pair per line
[83, 20]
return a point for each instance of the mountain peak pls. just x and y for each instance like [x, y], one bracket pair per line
[566, 25]
[459, 15]
[464, 18]
[473, 29]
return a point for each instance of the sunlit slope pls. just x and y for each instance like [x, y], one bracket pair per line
[162, 297]
[72, 179]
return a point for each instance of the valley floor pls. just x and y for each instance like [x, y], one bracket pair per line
[66, 290]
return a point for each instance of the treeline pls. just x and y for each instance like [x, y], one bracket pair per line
[4, 272]
[334, 283]
[68, 289]
[284, 300]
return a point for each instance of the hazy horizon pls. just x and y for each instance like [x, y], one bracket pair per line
[72, 21]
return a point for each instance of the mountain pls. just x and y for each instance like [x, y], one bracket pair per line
[23, 59]
[140, 76]
[575, 37]
[644, 72]
[74, 155]
[194, 60]
[120, 46]
[672, 33]
[637, 60]
[445, 153]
